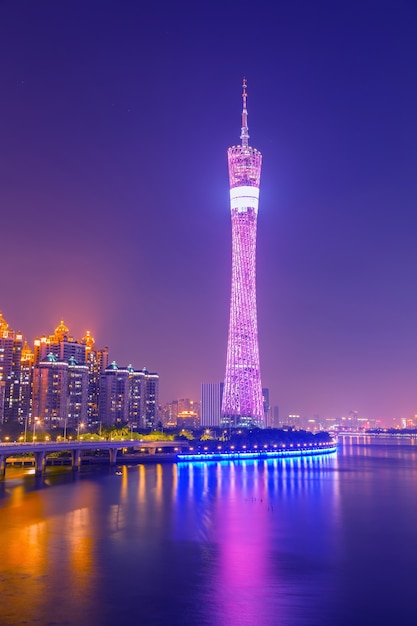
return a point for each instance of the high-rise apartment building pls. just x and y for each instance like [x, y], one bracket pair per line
[113, 405]
[136, 397]
[242, 398]
[50, 392]
[128, 395]
[61, 344]
[77, 393]
[26, 379]
[11, 344]
[151, 398]
[85, 364]
[97, 361]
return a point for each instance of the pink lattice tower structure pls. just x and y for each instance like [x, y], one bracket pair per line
[242, 395]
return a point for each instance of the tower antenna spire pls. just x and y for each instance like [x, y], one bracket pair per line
[244, 134]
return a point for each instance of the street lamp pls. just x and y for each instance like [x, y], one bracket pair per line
[80, 425]
[26, 426]
[35, 423]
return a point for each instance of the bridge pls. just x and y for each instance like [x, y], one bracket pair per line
[377, 435]
[40, 450]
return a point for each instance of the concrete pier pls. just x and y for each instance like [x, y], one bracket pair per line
[76, 460]
[39, 462]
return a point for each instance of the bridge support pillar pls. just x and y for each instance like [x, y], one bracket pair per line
[2, 466]
[113, 455]
[76, 460]
[39, 463]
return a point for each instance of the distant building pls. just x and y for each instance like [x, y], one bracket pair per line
[267, 407]
[312, 424]
[211, 403]
[275, 422]
[294, 420]
[184, 413]
[169, 414]
[187, 419]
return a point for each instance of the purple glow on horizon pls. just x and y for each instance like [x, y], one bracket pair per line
[242, 395]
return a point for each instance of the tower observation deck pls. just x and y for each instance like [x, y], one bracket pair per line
[242, 396]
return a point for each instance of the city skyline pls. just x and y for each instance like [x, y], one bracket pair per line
[65, 382]
[113, 190]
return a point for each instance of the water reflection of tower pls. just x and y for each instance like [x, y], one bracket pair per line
[242, 398]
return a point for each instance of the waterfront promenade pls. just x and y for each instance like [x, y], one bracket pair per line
[175, 451]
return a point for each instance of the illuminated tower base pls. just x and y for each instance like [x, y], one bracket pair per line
[242, 397]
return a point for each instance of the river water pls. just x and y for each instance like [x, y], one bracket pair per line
[322, 541]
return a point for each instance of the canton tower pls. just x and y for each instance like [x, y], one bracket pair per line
[242, 395]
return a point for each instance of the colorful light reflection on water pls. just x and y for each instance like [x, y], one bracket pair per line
[281, 541]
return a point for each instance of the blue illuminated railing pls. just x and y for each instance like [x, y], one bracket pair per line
[259, 454]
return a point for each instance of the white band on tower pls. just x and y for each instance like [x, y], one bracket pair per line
[243, 197]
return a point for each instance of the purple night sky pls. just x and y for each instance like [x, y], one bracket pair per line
[115, 119]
